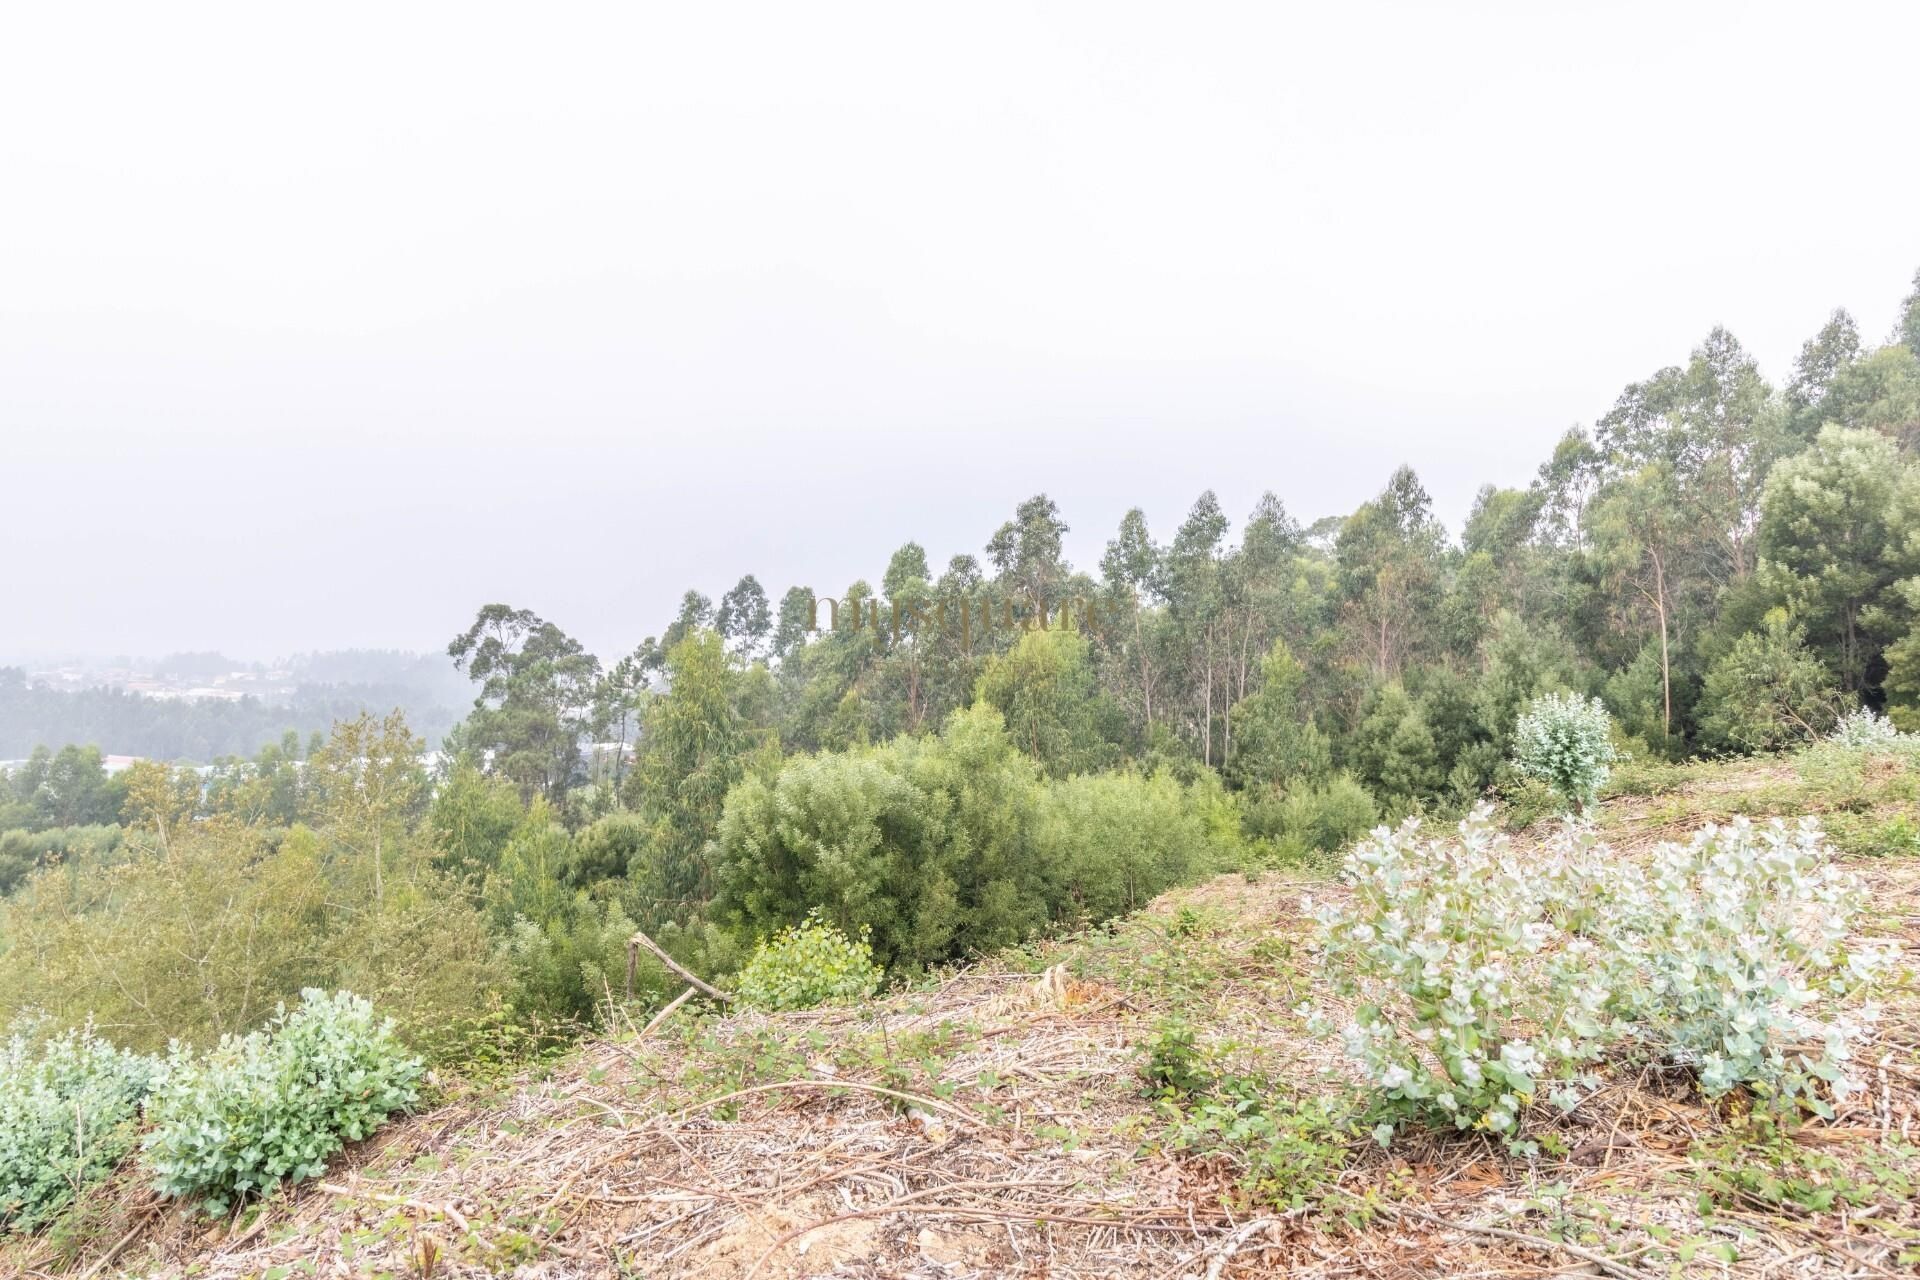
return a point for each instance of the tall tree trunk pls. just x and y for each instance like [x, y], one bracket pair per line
[1146, 670]
[1666, 668]
[1206, 728]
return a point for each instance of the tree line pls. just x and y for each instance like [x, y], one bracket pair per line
[1729, 566]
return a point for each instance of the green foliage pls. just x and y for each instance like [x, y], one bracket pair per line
[1740, 954]
[1289, 1151]
[1277, 742]
[192, 943]
[1394, 751]
[23, 851]
[1326, 819]
[1757, 1167]
[1864, 730]
[811, 963]
[1829, 537]
[565, 948]
[277, 1103]
[201, 934]
[69, 1107]
[1769, 693]
[1310, 822]
[1480, 978]
[1566, 742]
[472, 817]
[1044, 688]
[535, 701]
[699, 740]
[1108, 843]
[1464, 1009]
[1171, 1064]
[952, 844]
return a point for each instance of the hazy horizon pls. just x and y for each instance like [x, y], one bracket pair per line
[325, 351]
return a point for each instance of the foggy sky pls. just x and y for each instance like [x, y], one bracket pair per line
[322, 327]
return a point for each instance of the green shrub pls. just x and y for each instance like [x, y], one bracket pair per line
[1565, 741]
[810, 964]
[1289, 1150]
[22, 851]
[277, 1103]
[924, 842]
[69, 1105]
[1110, 842]
[1171, 1065]
[1769, 693]
[1328, 818]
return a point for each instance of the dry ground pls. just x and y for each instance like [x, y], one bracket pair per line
[994, 1123]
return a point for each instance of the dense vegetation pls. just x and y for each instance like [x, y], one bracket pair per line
[1724, 566]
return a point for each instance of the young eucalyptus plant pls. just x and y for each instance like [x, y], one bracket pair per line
[1566, 741]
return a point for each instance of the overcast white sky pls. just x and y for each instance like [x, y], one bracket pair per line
[321, 326]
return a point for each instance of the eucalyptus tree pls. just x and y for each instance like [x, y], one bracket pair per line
[536, 698]
[1026, 551]
[744, 618]
[1390, 562]
[1131, 577]
[1192, 582]
[1822, 359]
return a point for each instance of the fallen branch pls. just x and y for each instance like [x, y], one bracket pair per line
[1224, 1251]
[925, 1104]
[418, 1206]
[664, 1014]
[903, 1204]
[639, 940]
[1606, 1264]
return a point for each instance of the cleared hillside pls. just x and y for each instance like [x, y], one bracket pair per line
[1001, 1120]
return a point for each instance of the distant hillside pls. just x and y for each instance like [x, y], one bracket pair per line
[168, 716]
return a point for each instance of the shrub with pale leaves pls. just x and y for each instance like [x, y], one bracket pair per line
[1740, 954]
[1867, 730]
[1469, 999]
[1566, 741]
[1481, 977]
[69, 1108]
[278, 1103]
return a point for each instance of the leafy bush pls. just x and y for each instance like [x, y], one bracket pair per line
[1171, 1065]
[953, 844]
[22, 851]
[1482, 978]
[1564, 740]
[1326, 819]
[1867, 730]
[1469, 999]
[1737, 954]
[810, 964]
[1768, 693]
[1110, 842]
[1289, 1151]
[275, 1104]
[69, 1105]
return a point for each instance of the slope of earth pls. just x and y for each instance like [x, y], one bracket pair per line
[1140, 1100]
